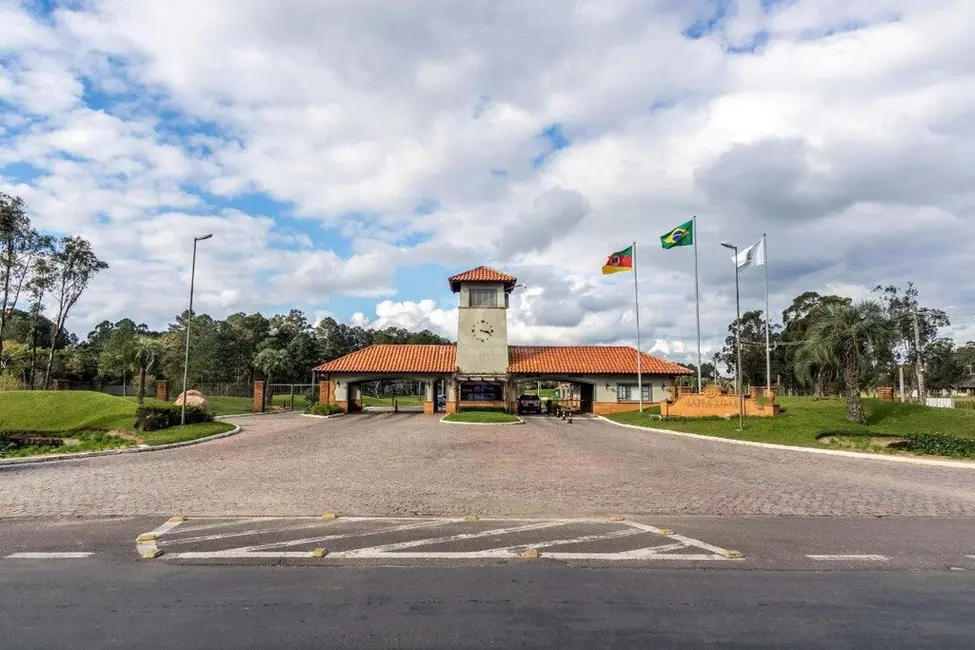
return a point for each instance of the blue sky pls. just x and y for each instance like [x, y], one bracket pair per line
[347, 164]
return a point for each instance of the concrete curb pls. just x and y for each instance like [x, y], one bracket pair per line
[54, 458]
[809, 450]
[322, 417]
[444, 420]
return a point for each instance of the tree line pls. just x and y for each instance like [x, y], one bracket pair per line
[236, 350]
[35, 268]
[830, 345]
[43, 277]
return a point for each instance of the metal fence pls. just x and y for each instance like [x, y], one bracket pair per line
[290, 397]
[222, 389]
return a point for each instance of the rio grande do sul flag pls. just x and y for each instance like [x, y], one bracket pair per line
[682, 235]
[619, 261]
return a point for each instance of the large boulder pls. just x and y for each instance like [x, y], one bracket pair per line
[193, 398]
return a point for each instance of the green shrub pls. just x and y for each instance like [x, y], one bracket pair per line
[323, 409]
[9, 381]
[153, 417]
[939, 444]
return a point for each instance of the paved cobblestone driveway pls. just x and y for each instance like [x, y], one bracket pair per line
[401, 464]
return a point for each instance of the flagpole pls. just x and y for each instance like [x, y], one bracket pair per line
[697, 301]
[768, 317]
[636, 302]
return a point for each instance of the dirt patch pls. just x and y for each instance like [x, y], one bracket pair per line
[864, 443]
[128, 435]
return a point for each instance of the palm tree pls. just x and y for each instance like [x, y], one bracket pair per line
[148, 353]
[845, 340]
[272, 362]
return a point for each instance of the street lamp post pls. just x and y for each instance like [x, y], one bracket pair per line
[741, 397]
[189, 320]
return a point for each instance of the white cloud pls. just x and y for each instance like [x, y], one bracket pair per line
[847, 137]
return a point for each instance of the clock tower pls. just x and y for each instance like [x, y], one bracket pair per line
[482, 322]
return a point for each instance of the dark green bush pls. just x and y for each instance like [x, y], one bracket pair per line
[323, 409]
[153, 417]
[939, 444]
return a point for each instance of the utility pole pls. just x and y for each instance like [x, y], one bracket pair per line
[900, 369]
[919, 361]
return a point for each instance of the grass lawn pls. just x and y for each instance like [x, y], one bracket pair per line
[804, 418]
[64, 410]
[403, 400]
[89, 421]
[482, 417]
[182, 434]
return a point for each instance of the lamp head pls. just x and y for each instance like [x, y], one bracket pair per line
[206, 236]
[728, 245]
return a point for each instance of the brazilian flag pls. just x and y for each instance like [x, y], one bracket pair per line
[682, 235]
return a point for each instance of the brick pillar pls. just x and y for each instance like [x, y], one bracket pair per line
[258, 403]
[326, 392]
[162, 390]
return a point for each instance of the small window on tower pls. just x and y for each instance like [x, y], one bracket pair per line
[484, 298]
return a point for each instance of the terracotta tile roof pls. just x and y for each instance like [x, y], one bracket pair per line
[395, 358]
[481, 274]
[522, 359]
[586, 360]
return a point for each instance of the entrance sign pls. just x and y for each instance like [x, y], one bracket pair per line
[715, 401]
[478, 391]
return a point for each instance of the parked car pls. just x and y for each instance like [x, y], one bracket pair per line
[529, 404]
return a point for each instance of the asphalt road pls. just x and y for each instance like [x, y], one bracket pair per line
[102, 604]
[920, 594]
[771, 543]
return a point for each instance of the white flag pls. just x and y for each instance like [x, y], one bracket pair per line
[754, 255]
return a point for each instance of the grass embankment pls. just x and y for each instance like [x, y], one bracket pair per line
[482, 417]
[85, 421]
[805, 421]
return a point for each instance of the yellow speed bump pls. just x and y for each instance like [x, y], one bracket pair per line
[330, 515]
[531, 554]
[731, 555]
[151, 554]
[470, 517]
[615, 518]
[666, 531]
[177, 519]
[319, 552]
[147, 537]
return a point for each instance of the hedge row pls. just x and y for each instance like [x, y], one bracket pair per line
[153, 417]
[939, 444]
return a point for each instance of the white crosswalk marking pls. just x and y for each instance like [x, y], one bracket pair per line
[840, 558]
[56, 555]
[328, 538]
[398, 538]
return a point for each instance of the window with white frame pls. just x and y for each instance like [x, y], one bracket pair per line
[628, 393]
[484, 298]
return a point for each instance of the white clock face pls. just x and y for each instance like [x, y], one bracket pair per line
[482, 330]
